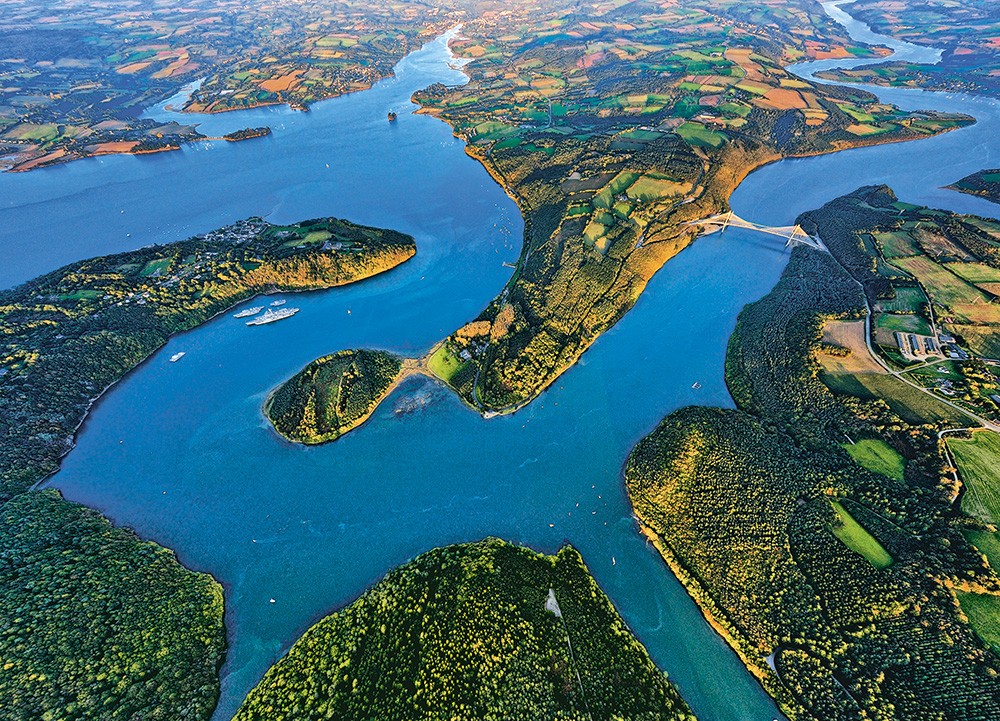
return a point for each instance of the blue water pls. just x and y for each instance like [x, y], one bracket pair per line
[181, 452]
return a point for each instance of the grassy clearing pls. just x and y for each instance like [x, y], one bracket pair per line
[904, 323]
[737, 109]
[154, 267]
[978, 462]
[896, 244]
[988, 543]
[698, 135]
[41, 132]
[317, 236]
[82, 294]
[878, 456]
[654, 186]
[855, 537]
[909, 299]
[984, 616]
[444, 364]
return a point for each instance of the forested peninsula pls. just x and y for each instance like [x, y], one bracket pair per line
[985, 184]
[481, 631]
[94, 621]
[835, 571]
[613, 155]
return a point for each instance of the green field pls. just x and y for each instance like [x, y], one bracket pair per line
[653, 186]
[984, 616]
[619, 184]
[988, 543]
[978, 462]
[444, 364]
[905, 400]
[945, 287]
[154, 267]
[878, 456]
[858, 539]
[317, 236]
[81, 294]
[909, 299]
[698, 135]
[857, 113]
[905, 323]
[897, 244]
[30, 131]
[737, 109]
[975, 272]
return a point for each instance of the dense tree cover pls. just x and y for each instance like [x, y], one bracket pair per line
[332, 395]
[98, 624]
[739, 503]
[613, 133]
[68, 335]
[467, 632]
[984, 183]
[95, 623]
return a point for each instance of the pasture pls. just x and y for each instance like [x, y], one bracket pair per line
[854, 536]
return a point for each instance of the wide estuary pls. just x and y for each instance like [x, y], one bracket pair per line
[181, 452]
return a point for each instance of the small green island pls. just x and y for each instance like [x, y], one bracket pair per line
[247, 134]
[334, 394]
[484, 631]
[985, 184]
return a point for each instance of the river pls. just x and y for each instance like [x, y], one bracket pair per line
[181, 452]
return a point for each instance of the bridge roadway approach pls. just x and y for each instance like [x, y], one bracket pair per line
[791, 233]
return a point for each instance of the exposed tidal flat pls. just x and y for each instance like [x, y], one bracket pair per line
[198, 470]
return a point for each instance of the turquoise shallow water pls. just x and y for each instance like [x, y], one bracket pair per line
[181, 452]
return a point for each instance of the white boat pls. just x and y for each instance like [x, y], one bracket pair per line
[696, 385]
[280, 301]
[176, 357]
[270, 316]
[249, 312]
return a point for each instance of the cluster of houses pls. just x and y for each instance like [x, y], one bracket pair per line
[915, 347]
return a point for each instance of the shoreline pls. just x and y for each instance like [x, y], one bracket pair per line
[410, 368]
[303, 107]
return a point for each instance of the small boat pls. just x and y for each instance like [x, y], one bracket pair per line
[177, 356]
[613, 561]
[276, 303]
[270, 316]
[249, 312]
[696, 385]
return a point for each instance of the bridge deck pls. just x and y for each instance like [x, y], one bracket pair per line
[791, 233]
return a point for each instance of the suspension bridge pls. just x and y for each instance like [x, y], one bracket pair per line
[791, 233]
